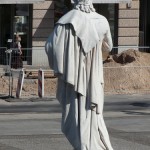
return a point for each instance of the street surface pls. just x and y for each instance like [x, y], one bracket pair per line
[34, 124]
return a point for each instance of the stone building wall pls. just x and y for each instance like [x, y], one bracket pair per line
[43, 23]
[42, 26]
[128, 24]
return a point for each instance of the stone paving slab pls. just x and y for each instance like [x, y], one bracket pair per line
[127, 118]
[59, 142]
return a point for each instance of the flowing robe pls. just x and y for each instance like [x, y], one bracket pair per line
[75, 55]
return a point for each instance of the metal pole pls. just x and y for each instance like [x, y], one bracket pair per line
[9, 51]
[10, 73]
[12, 83]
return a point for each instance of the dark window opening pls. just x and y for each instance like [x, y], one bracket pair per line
[15, 19]
[144, 39]
[62, 7]
[22, 26]
[21, 23]
[110, 12]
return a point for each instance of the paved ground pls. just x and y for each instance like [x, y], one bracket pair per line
[34, 124]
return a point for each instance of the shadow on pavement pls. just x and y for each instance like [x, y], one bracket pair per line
[141, 104]
[129, 112]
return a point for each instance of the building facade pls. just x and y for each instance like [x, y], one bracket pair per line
[34, 20]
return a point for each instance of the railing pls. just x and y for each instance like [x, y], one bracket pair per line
[31, 60]
[126, 73]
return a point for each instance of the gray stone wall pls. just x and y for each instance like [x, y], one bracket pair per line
[128, 24]
[43, 23]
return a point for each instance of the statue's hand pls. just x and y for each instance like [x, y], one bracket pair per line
[109, 58]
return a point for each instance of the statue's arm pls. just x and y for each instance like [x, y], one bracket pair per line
[108, 39]
[49, 50]
[107, 44]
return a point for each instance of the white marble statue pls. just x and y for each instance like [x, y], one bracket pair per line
[74, 51]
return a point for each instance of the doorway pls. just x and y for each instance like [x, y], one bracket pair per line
[144, 23]
[15, 19]
[5, 24]
[5, 31]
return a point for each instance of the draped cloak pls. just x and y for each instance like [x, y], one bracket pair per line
[74, 51]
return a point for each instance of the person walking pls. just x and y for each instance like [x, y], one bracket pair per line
[17, 54]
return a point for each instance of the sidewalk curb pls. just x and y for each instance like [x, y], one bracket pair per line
[13, 100]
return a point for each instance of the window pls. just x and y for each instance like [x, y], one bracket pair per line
[61, 8]
[144, 23]
[15, 19]
[21, 23]
[108, 10]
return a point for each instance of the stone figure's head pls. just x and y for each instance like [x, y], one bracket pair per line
[87, 2]
[83, 5]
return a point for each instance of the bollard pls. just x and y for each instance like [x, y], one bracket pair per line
[41, 83]
[20, 84]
